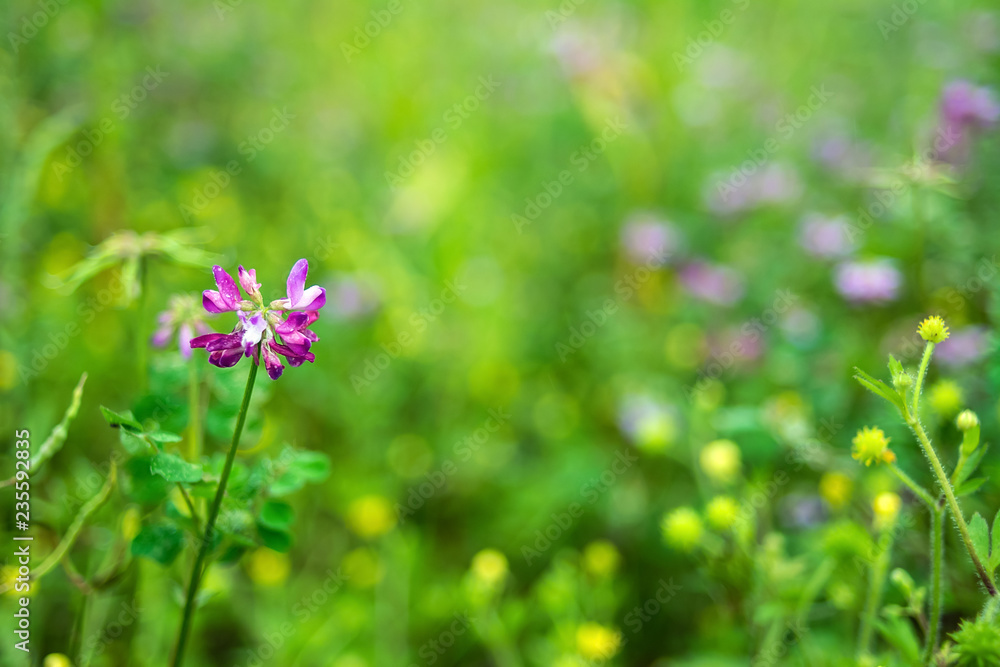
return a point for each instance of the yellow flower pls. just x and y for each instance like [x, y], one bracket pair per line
[720, 459]
[967, 419]
[267, 567]
[131, 523]
[946, 398]
[597, 642]
[886, 507]
[682, 528]
[371, 516]
[871, 446]
[601, 558]
[835, 487]
[56, 660]
[489, 566]
[933, 330]
[721, 512]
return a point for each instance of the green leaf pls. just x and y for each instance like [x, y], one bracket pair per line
[980, 534]
[970, 440]
[969, 487]
[161, 542]
[175, 469]
[995, 551]
[141, 484]
[878, 388]
[162, 437]
[895, 368]
[124, 421]
[971, 464]
[899, 633]
[313, 466]
[276, 515]
[288, 483]
[278, 540]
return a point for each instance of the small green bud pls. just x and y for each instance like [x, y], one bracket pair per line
[902, 381]
[966, 420]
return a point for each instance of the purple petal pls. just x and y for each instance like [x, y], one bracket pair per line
[297, 281]
[294, 358]
[162, 336]
[313, 298]
[225, 358]
[253, 329]
[248, 280]
[227, 287]
[271, 362]
[214, 302]
[225, 342]
[202, 341]
[296, 321]
[185, 334]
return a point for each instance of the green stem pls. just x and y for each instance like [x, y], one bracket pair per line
[949, 494]
[937, 560]
[206, 541]
[876, 583]
[194, 408]
[924, 363]
[917, 490]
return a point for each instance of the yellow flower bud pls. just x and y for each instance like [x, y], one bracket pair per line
[597, 642]
[56, 660]
[720, 459]
[933, 330]
[835, 488]
[886, 507]
[966, 420]
[946, 398]
[682, 528]
[721, 512]
[267, 567]
[371, 516]
[489, 566]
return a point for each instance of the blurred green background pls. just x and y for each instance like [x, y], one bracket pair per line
[482, 189]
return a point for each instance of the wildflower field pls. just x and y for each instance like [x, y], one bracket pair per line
[553, 333]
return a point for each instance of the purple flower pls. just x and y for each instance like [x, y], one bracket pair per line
[749, 187]
[716, 284]
[965, 108]
[964, 347]
[183, 317]
[825, 237]
[874, 280]
[260, 327]
[647, 238]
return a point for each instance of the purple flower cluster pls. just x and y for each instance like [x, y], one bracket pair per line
[875, 280]
[184, 317]
[965, 109]
[259, 327]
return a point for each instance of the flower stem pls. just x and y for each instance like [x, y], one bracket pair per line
[917, 490]
[949, 494]
[924, 363]
[937, 559]
[206, 540]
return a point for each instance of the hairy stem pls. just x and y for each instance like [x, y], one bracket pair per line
[917, 490]
[213, 514]
[918, 385]
[949, 493]
[937, 561]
